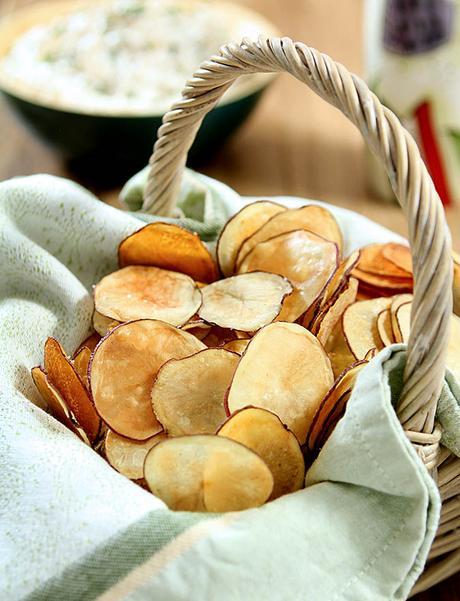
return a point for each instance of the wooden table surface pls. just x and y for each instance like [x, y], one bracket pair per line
[293, 144]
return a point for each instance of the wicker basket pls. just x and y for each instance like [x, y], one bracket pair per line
[428, 235]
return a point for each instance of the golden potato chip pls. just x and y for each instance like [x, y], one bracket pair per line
[103, 324]
[239, 345]
[397, 301]
[56, 404]
[188, 394]
[360, 325]
[327, 320]
[127, 456]
[286, 370]
[239, 227]
[138, 292]
[198, 327]
[312, 218]
[81, 362]
[169, 247]
[374, 260]
[341, 277]
[207, 473]
[403, 315]
[338, 351]
[384, 328]
[217, 336]
[305, 259]
[63, 376]
[392, 284]
[400, 255]
[123, 368]
[263, 432]
[244, 302]
[333, 404]
[90, 342]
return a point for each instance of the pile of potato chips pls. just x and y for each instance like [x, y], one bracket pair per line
[215, 383]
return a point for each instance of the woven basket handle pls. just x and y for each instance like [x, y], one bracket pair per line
[428, 233]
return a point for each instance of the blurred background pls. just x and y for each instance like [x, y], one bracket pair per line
[292, 143]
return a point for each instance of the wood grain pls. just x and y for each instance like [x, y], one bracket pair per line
[317, 154]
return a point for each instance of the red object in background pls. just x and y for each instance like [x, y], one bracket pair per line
[432, 152]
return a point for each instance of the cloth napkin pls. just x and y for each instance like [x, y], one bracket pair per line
[73, 528]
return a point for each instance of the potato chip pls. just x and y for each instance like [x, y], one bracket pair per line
[360, 325]
[263, 432]
[392, 284]
[312, 218]
[188, 394]
[56, 404]
[138, 292]
[403, 317]
[244, 302]
[305, 259]
[63, 376]
[333, 404]
[286, 370]
[127, 456]
[198, 327]
[169, 247]
[123, 368]
[338, 351]
[396, 302]
[326, 321]
[90, 342]
[384, 328]
[81, 362]
[340, 279]
[373, 260]
[207, 473]
[103, 324]
[217, 336]
[400, 255]
[238, 228]
[239, 345]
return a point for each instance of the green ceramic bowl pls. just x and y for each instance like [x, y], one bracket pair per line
[107, 148]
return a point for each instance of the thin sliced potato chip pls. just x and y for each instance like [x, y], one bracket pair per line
[360, 325]
[326, 321]
[169, 247]
[342, 386]
[340, 279]
[244, 302]
[81, 362]
[217, 337]
[286, 370]
[384, 328]
[188, 394]
[373, 260]
[91, 342]
[239, 345]
[238, 228]
[263, 432]
[103, 324]
[396, 302]
[127, 456]
[198, 327]
[305, 259]
[207, 473]
[123, 368]
[312, 218]
[338, 351]
[63, 376]
[393, 284]
[400, 255]
[56, 404]
[453, 349]
[138, 292]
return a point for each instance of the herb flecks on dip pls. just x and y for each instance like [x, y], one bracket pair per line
[127, 56]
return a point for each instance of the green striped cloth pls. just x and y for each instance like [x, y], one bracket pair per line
[73, 528]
